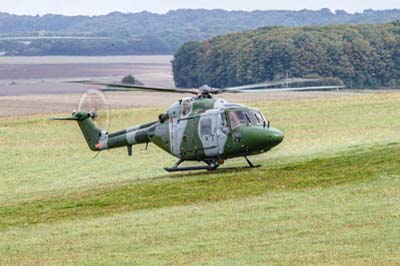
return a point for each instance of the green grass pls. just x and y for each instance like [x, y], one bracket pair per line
[354, 224]
[328, 195]
[41, 158]
[355, 166]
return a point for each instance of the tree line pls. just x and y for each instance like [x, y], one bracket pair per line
[362, 56]
[150, 33]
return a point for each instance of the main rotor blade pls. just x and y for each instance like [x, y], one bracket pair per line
[271, 83]
[132, 87]
[31, 38]
[316, 88]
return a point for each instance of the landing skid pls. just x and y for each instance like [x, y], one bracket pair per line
[190, 168]
[211, 166]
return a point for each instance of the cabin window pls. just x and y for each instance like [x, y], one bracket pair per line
[224, 123]
[223, 119]
[206, 126]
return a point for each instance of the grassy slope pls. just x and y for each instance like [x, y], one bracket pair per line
[359, 165]
[290, 211]
[354, 224]
[43, 158]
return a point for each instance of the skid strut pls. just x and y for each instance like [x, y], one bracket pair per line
[251, 164]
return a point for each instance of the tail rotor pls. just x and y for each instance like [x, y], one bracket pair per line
[94, 102]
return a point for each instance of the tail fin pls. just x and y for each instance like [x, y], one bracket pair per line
[91, 133]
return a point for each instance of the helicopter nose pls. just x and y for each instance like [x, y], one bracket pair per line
[275, 136]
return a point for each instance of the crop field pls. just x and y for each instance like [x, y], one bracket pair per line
[21, 76]
[330, 194]
[32, 85]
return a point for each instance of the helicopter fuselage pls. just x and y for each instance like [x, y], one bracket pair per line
[201, 129]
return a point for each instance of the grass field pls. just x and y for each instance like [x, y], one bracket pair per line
[330, 194]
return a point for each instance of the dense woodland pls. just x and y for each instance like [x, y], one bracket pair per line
[149, 33]
[361, 55]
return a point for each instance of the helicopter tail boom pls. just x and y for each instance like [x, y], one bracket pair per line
[98, 139]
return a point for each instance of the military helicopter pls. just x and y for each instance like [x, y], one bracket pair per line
[199, 128]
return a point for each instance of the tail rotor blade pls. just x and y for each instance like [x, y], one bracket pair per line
[94, 102]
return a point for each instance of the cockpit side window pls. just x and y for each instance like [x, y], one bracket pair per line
[252, 117]
[238, 118]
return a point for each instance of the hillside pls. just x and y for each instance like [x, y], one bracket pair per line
[149, 33]
[361, 55]
[329, 195]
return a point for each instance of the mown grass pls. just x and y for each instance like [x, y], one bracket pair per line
[350, 224]
[41, 158]
[356, 165]
[328, 195]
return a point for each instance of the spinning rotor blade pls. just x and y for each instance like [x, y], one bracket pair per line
[267, 86]
[94, 102]
[32, 38]
[270, 84]
[315, 88]
[258, 87]
[132, 87]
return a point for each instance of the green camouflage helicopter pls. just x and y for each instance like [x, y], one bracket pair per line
[199, 128]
